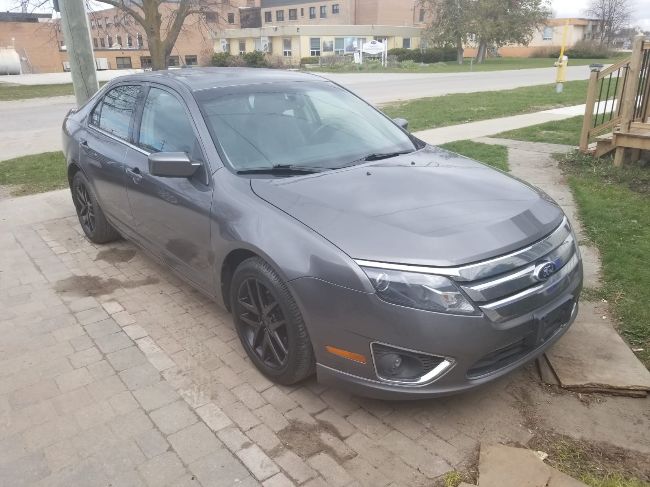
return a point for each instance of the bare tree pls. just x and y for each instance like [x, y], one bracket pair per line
[163, 25]
[612, 16]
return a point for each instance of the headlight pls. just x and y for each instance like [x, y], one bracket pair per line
[422, 291]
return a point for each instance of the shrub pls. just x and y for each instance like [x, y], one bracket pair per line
[427, 56]
[310, 60]
[221, 59]
[255, 59]
[584, 50]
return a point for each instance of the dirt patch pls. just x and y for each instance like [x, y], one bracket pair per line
[306, 440]
[115, 256]
[97, 286]
[582, 459]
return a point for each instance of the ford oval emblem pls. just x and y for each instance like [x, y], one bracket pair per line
[544, 270]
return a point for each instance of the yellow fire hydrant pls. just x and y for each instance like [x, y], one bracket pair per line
[561, 65]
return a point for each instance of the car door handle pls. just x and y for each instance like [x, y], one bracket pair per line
[84, 144]
[135, 174]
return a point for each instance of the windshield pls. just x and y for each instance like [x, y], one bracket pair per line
[303, 124]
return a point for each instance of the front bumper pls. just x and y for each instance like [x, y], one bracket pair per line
[353, 320]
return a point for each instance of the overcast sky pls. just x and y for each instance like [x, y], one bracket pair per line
[562, 8]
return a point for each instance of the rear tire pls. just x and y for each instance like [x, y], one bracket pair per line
[269, 323]
[91, 217]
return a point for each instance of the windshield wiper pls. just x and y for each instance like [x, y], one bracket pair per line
[386, 155]
[280, 169]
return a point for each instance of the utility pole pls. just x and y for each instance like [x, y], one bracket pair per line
[76, 34]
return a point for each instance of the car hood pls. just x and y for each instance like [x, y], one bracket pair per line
[431, 207]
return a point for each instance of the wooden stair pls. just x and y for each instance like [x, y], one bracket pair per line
[638, 137]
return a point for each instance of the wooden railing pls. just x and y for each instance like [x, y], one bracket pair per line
[618, 95]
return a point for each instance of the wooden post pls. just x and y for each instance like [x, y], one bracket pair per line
[589, 110]
[629, 96]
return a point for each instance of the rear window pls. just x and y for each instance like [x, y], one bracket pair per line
[115, 112]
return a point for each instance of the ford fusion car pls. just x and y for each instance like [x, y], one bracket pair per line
[341, 244]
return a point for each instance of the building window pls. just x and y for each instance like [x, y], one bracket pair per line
[314, 46]
[339, 45]
[139, 41]
[279, 15]
[102, 42]
[231, 18]
[61, 44]
[92, 23]
[116, 20]
[328, 46]
[286, 47]
[173, 61]
[123, 62]
[129, 41]
[106, 22]
[119, 40]
[268, 16]
[191, 60]
[323, 11]
[422, 13]
[95, 43]
[548, 33]
[242, 47]
[145, 62]
[110, 41]
[302, 12]
[293, 14]
[406, 43]
[335, 9]
[312, 12]
[211, 17]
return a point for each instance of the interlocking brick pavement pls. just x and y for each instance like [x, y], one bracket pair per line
[113, 371]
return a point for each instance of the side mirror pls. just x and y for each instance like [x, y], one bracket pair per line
[172, 165]
[402, 122]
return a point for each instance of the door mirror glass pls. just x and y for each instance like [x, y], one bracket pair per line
[172, 165]
[402, 122]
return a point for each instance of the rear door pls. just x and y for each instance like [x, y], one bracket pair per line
[104, 145]
[172, 214]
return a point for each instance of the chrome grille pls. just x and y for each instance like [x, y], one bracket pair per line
[512, 288]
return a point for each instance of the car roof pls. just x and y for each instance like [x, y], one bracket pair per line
[196, 79]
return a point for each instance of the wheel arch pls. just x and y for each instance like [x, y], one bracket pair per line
[228, 266]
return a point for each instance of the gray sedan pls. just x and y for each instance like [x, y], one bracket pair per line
[341, 244]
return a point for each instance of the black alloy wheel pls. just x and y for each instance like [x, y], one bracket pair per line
[91, 217]
[85, 208]
[269, 323]
[264, 322]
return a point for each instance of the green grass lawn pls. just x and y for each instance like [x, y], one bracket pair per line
[22, 92]
[614, 206]
[558, 132]
[34, 174]
[492, 64]
[440, 111]
[492, 155]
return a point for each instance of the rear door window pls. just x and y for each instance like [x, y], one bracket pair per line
[114, 113]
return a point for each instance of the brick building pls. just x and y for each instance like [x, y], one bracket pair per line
[33, 38]
[292, 29]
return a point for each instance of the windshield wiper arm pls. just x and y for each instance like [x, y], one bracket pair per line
[280, 169]
[386, 155]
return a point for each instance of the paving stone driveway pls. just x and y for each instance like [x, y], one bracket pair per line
[114, 372]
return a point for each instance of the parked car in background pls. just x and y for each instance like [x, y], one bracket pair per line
[340, 243]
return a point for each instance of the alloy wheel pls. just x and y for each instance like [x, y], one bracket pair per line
[264, 325]
[85, 208]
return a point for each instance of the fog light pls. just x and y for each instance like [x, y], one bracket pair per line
[405, 366]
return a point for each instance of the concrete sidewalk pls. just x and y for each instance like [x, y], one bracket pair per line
[493, 126]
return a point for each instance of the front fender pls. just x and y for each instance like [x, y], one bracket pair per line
[242, 220]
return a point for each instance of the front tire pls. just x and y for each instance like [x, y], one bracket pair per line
[269, 323]
[91, 217]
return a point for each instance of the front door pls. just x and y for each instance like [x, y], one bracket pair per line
[171, 214]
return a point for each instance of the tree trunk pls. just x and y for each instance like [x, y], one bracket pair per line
[480, 52]
[158, 55]
[459, 50]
